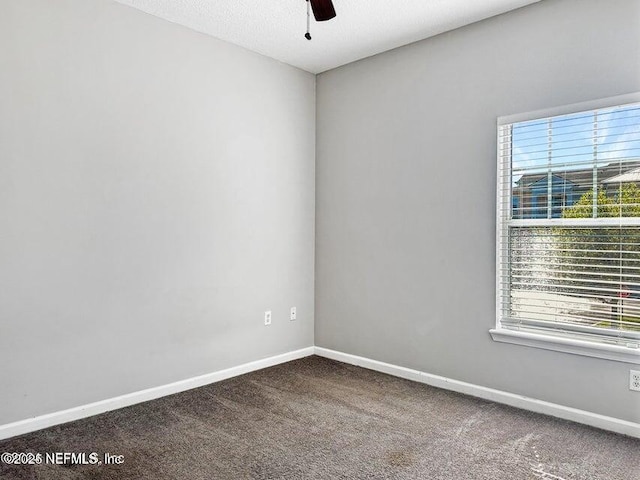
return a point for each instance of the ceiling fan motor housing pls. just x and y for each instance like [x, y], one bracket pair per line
[323, 10]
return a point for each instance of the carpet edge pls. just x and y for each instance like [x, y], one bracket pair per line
[40, 422]
[584, 417]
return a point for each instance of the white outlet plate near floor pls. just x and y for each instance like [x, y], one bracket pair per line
[634, 380]
[267, 317]
[293, 314]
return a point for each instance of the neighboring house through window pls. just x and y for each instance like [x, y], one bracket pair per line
[568, 237]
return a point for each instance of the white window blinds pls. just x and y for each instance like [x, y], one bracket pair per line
[569, 226]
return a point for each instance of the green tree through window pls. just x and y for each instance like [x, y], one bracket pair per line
[603, 263]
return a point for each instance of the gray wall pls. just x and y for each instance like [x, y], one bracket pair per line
[406, 165]
[156, 197]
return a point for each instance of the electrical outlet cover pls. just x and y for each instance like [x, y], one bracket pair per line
[267, 317]
[634, 380]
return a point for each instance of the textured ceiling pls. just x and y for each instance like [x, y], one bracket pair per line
[276, 28]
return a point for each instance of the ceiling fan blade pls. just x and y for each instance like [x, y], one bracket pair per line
[323, 10]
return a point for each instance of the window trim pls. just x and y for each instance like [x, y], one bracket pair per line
[566, 345]
[555, 342]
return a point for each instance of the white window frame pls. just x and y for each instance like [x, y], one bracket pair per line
[547, 341]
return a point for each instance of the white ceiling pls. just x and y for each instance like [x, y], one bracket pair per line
[276, 28]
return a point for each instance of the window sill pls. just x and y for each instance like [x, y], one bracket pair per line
[567, 345]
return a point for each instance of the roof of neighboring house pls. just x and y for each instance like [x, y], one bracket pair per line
[630, 176]
[543, 181]
[584, 177]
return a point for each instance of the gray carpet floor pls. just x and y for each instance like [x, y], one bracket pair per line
[319, 419]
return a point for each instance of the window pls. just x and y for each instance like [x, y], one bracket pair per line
[568, 229]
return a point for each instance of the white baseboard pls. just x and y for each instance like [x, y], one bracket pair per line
[567, 413]
[580, 416]
[43, 421]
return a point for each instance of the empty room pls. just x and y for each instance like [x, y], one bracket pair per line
[320, 239]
